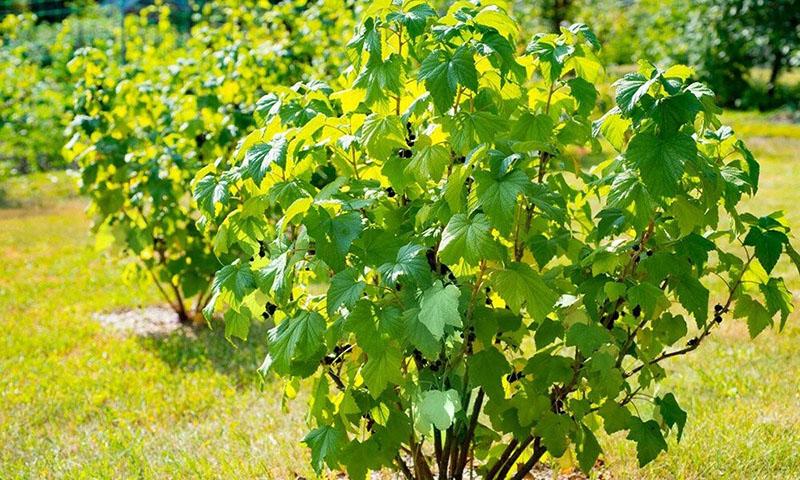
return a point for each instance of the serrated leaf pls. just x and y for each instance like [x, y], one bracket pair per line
[498, 196]
[757, 317]
[411, 264]
[437, 408]
[630, 90]
[297, 338]
[467, 238]
[236, 324]
[414, 19]
[260, 157]
[520, 286]
[443, 72]
[439, 307]
[661, 160]
[428, 161]
[344, 290]
[382, 368]
[768, 246]
[235, 278]
[486, 369]
[588, 450]
[325, 443]
[693, 295]
[672, 413]
[587, 337]
[382, 134]
[649, 441]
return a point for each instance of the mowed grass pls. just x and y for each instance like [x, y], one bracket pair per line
[77, 401]
[80, 402]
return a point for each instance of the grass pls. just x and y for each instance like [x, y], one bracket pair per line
[80, 402]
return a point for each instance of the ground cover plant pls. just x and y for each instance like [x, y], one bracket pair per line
[146, 123]
[462, 294]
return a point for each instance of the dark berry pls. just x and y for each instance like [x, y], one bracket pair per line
[718, 308]
[637, 311]
[649, 253]
[636, 247]
[717, 319]
[390, 192]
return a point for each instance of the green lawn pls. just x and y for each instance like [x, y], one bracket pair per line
[80, 402]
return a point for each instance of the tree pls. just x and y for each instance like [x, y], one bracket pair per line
[726, 39]
[459, 288]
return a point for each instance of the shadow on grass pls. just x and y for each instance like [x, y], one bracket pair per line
[205, 348]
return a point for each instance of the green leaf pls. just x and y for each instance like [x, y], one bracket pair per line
[236, 278]
[553, 430]
[382, 134]
[379, 78]
[677, 110]
[382, 368]
[588, 450]
[587, 338]
[443, 72]
[758, 318]
[209, 191]
[345, 289]
[498, 196]
[437, 408]
[439, 307]
[630, 90]
[535, 129]
[520, 286]
[649, 298]
[467, 129]
[260, 157]
[414, 19]
[236, 324]
[778, 298]
[649, 441]
[671, 412]
[486, 369]
[615, 417]
[613, 127]
[325, 443]
[688, 214]
[693, 295]
[428, 161]
[410, 264]
[585, 93]
[333, 236]
[467, 238]
[494, 17]
[661, 160]
[418, 334]
[768, 245]
[299, 338]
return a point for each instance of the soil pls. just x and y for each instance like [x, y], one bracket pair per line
[147, 321]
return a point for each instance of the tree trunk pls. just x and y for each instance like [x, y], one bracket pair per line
[777, 65]
[559, 14]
